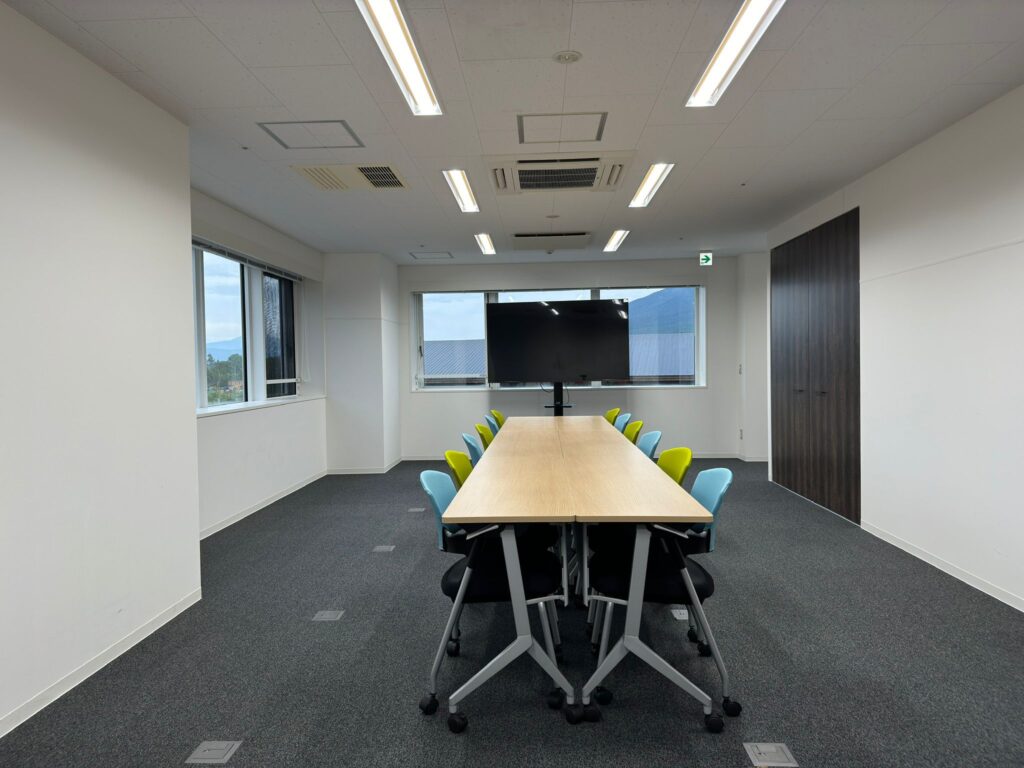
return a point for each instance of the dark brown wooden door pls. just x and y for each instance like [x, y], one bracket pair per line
[816, 365]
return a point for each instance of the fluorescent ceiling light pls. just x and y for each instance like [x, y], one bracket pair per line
[754, 17]
[616, 240]
[459, 183]
[656, 174]
[485, 243]
[386, 22]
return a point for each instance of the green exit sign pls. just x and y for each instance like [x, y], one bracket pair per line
[705, 259]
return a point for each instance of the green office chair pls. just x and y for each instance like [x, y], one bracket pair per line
[675, 462]
[486, 436]
[611, 414]
[498, 417]
[460, 466]
[632, 431]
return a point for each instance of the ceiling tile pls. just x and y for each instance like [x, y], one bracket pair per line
[437, 48]
[774, 118]
[976, 21]
[158, 94]
[271, 33]
[789, 24]
[938, 64]
[326, 93]
[581, 126]
[500, 90]
[183, 55]
[105, 10]
[541, 129]
[453, 133]
[627, 115]
[1007, 66]
[879, 101]
[846, 40]
[627, 47]
[59, 25]
[351, 31]
[498, 29]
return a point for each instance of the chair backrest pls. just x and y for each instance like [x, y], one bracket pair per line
[492, 423]
[440, 491]
[499, 417]
[486, 436]
[648, 443]
[622, 420]
[475, 451]
[611, 414]
[709, 490]
[460, 464]
[675, 461]
[632, 430]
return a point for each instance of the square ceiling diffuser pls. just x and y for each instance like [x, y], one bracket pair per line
[313, 134]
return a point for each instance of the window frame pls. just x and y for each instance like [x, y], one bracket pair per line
[253, 331]
[419, 383]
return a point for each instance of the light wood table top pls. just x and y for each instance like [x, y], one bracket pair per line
[545, 469]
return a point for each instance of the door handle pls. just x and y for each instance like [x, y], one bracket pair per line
[822, 391]
[799, 391]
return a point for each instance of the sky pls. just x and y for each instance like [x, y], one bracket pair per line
[223, 297]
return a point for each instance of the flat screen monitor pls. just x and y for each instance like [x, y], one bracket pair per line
[558, 341]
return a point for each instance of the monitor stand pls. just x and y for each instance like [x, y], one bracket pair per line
[558, 397]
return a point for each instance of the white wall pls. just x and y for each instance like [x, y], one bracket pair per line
[249, 457]
[98, 492]
[707, 419]
[362, 337]
[942, 266]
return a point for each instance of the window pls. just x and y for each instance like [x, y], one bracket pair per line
[224, 303]
[453, 348]
[245, 329]
[279, 335]
[662, 334]
[665, 342]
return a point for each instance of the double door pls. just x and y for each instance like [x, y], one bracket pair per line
[815, 364]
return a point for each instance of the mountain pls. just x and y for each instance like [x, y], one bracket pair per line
[669, 310]
[222, 350]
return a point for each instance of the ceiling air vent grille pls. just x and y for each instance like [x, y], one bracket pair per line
[515, 175]
[322, 176]
[557, 178]
[550, 241]
[381, 176]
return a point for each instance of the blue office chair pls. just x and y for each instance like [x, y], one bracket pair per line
[473, 447]
[492, 423]
[648, 443]
[709, 490]
[440, 490]
[622, 420]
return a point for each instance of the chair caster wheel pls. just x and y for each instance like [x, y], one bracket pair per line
[691, 635]
[731, 708]
[574, 714]
[703, 649]
[591, 713]
[712, 722]
[457, 722]
[428, 704]
[556, 699]
[602, 695]
[452, 648]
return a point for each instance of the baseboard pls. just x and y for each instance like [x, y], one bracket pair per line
[752, 459]
[231, 520]
[37, 703]
[365, 470]
[1014, 601]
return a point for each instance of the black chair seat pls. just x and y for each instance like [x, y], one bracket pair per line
[610, 572]
[528, 537]
[619, 538]
[542, 575]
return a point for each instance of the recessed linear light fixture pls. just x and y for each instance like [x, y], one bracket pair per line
[753, 18]
[616, 240]
[485, 243]
[459, 183]
[386, 22]
[653, 179]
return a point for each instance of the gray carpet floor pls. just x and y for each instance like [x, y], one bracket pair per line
[845, 648]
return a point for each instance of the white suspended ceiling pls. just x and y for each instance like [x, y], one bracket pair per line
[835, 88]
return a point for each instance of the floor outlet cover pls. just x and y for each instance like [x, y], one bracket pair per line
[213, 752]
[770, 755]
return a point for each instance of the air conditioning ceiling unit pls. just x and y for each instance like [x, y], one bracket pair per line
[550, 241]
[514, 175]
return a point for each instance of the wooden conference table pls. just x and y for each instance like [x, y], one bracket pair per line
[561, 471]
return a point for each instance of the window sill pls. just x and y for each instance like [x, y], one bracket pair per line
[220, 410]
